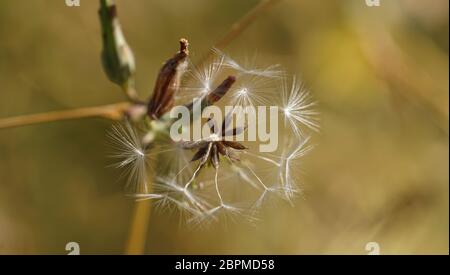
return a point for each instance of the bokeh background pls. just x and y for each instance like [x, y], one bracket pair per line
[379, 172]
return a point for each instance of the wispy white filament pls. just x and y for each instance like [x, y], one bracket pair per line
[132, 156]
[297, 108]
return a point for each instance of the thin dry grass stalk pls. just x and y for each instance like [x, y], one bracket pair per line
[112, 112]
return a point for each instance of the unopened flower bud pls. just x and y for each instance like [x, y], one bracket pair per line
[117, 57]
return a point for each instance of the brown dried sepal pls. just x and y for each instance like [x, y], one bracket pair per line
[168, 82]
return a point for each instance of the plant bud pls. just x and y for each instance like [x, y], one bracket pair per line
[117, 57]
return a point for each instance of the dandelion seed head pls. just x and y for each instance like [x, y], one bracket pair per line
[195, 177]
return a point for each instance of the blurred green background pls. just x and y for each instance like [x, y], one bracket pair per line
[379, 172]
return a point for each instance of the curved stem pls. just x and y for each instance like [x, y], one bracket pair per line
[243, 23]
[239, 26]
[138, 230]
[111, 111]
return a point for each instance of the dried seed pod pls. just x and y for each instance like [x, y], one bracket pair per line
[221, 90]
[117, 56]
[168, 82]
[215, 95]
